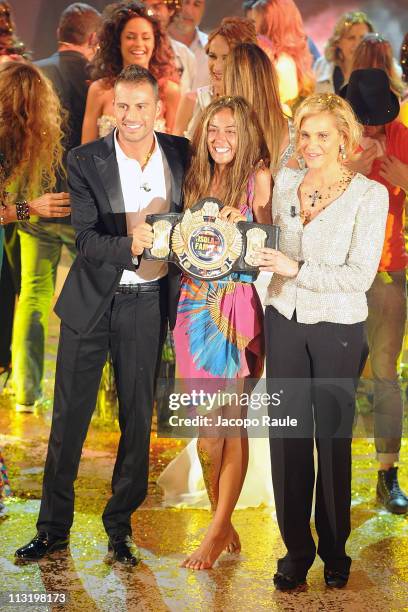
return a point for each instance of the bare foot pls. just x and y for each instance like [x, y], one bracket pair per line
[204, 557]
[234, 544]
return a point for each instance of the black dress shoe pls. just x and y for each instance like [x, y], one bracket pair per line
[389, 492]
[335, 580]
[40, 546]
[284, 582]
[122, 551]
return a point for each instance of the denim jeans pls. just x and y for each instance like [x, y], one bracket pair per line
[41, 245]
[385, 333]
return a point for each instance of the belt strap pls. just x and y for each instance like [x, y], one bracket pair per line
[139, 288]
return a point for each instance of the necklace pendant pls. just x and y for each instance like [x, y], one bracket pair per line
[315, 196]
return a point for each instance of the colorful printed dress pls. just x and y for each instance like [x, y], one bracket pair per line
[5, 490]
[219, 328]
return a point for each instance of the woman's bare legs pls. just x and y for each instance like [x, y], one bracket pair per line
[224, 462]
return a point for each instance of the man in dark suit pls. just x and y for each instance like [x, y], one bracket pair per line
[43, 241]
[112, 300]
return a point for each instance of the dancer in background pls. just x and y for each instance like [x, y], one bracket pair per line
[31, 146]
[247, 6]
[375, 51]
[281, 23]
[334, 68]
[231, 32]
[130, 35]
[11, 47]
[332, 231]
[249, 73]
[371, 95]
[42, 242]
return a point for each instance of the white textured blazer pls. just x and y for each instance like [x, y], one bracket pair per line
[341, 249]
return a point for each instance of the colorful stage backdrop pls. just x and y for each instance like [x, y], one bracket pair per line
[37, 19]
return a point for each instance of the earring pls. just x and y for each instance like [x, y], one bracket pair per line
[343, 154]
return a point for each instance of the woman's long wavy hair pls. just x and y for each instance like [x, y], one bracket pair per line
[251, 153]
[282, 23]
[374, 51]
[108, 61]
[30, 129]
[235, 30]
[332, 51]
[250, 74]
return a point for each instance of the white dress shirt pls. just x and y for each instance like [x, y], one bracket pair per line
[198, 48]
[144, 192]
[186, 64]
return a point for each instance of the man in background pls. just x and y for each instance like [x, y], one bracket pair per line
[186, 62]
[184, 28]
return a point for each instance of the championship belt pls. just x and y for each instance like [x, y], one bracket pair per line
[205, 246]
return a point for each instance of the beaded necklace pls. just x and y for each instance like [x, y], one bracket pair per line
[328, 195]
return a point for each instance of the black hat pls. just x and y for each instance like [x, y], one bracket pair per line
[368, 92]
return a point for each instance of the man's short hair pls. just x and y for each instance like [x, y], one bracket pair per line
[77, 22]
[135, 75]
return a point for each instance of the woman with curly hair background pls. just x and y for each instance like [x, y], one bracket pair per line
[31, 157]
[129, 35]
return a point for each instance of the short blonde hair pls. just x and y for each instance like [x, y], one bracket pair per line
[346, 121]
[332, 52]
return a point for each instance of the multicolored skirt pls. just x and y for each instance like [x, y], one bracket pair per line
[219, 329]
[5, 489]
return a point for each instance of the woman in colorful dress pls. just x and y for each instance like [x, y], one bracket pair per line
[218, 334]
[130, 35]
[5, 490]
[248, 73]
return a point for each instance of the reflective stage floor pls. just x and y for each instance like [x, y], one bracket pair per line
[378, 543]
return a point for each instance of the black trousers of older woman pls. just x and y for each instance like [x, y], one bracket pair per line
[317, 367]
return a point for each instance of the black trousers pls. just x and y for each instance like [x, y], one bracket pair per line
[306, 354]
[133, 329]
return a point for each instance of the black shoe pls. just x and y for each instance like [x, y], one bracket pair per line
[284, 582]
[335, 580]
[389, 492]
[122, 551]
[40, 546]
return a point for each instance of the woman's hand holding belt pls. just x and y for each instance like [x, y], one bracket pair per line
[270, 260]
[231, 214]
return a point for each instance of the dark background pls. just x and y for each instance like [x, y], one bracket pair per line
[37, 19]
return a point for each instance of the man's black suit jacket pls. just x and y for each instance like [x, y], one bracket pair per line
[99, 219]
[67, 70]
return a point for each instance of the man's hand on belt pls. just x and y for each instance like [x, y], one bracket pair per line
[142, 238]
